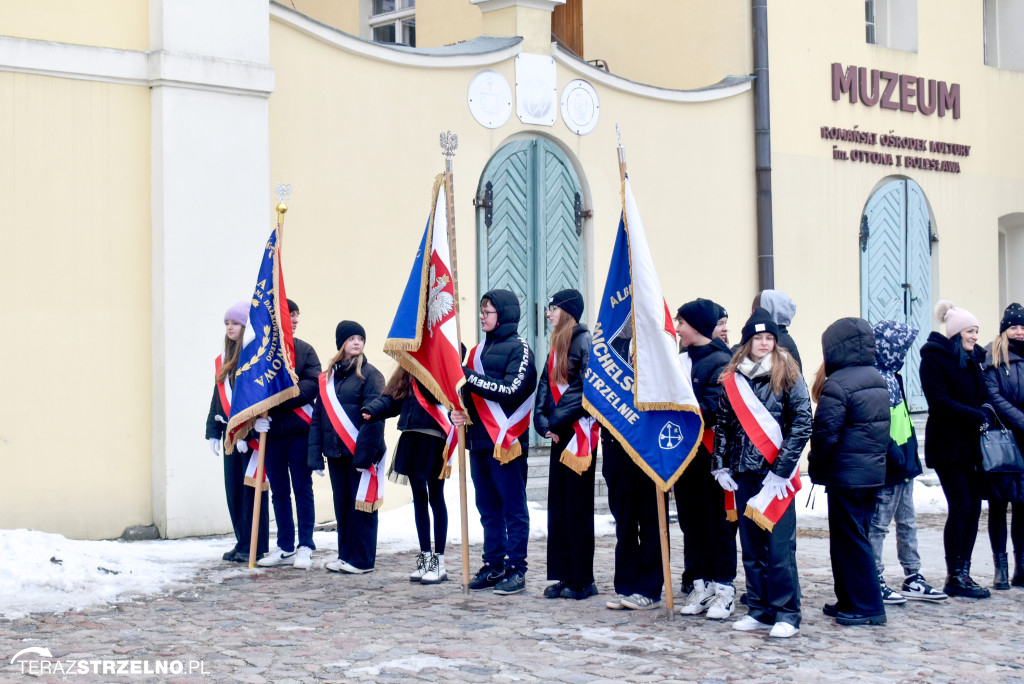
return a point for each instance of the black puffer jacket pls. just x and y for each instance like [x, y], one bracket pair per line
[411, 415]
[1005, 386]
[353, 393]
[284, 421]
[851, 424]
[791, 409]
[707, 362]
[955, 396]
[558, 418]
[510, 374]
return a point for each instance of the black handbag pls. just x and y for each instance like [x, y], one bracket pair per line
[999, 452]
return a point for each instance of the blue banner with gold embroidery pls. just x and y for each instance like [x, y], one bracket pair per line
[265, 376]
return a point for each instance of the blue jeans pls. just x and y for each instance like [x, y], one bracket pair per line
[896, 501]
[285, 455]
[501, 501]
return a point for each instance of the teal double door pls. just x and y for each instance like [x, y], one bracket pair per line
[530, 232]
[896, 269]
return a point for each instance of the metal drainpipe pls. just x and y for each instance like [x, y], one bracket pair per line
[763, 148]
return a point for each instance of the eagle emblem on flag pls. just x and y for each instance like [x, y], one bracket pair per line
[440, 302]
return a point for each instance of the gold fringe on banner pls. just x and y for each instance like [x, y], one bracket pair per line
[731, 515]
[759, 518]
[508, 455]
[576, 464]
[366, 507]
[446, 472]
[251, 482]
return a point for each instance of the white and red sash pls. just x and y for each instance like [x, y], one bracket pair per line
[437, 412]
[223, 388]
[305, 413]
[224, 391]
[504, 430]
[766, 435]
[578, 454]
[369, 495]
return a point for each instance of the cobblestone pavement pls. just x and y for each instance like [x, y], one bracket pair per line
[282, 625]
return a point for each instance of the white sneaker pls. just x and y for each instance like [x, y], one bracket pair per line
[276, 557]
[303, 558]
[698, 600]
[639, 602]
[783, 630]
[435, 573]
[722, 604]
[421, 566]
[346, 567]
[334, 565]
[615, 603]
[749, 624]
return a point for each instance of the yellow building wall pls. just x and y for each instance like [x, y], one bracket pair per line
[443, 22]
[818, 201]
[341, 14]
[120, 24]
[75, 439]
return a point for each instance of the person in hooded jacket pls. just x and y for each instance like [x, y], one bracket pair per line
[356, 383]
[709, 539]
[769, 557]
[782, 310]
[240, 498]
[287, 442]
[953, 384]
[1004, 379]
[501, 371]
[849, 441]
[558, 414]
[893, 340]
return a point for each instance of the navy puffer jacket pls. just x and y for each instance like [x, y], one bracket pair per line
[850, 435]
[1005, 385]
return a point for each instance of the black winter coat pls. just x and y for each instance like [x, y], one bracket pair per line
[411, 416]
[791, 409]
[284, 421]
[558, 418]
[955, 396]
[1005, 385]
[850, 437]
[510, 374]
[353, 393]
[707, 362]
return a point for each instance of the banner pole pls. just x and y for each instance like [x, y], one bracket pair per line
[258, 499]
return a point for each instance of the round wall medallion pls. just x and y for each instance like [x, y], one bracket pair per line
[580, 106]
[490, 99]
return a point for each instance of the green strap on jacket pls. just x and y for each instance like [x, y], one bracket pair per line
[900, 427]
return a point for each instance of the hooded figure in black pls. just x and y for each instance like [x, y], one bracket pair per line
[849, 442]
[508, 377]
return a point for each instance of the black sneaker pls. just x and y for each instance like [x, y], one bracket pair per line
[513, 583]
[486, 578]
[554, 591]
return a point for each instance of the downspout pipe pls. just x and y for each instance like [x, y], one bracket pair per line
[763, 148]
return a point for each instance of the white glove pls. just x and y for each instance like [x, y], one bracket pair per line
[777, 486]
[724, 479]
[319, 472]
[262, 424]
[214, 445]
[242, 447]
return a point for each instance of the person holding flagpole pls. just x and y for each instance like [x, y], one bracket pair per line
[849, 442]
[764, 421]
[239, 497]
[354, 450]
[500, 381]
[559, 415]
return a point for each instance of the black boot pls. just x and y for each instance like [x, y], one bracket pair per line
[1018, 569]
[1001, 580]
[952, 586]
[959, 582]
[977, 591]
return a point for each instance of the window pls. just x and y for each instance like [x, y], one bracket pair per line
[891, 24]
[393, 21]
[1004, 22]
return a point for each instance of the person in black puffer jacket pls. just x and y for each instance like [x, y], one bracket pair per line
[1004, 379]
[419, 461]
[954, 386]
[356, 383]
[769, 555]
[570, 547]
[849, 442]
[507, 376]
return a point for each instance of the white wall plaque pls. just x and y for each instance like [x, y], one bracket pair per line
[580, 106]
[490, 99]
[536, 89]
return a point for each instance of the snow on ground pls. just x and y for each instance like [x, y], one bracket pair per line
[55, 574]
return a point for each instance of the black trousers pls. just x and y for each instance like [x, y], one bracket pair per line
[769, 559]
[570, 520]
[853, 564]
[709, 540]
[631, 497]
[240, 500]
[997, 526]
[962, 487]
[357, 530]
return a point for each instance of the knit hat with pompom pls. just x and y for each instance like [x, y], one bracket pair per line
[956, 319]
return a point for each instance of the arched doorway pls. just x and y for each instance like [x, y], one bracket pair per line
[896, 268]
[530, 230]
